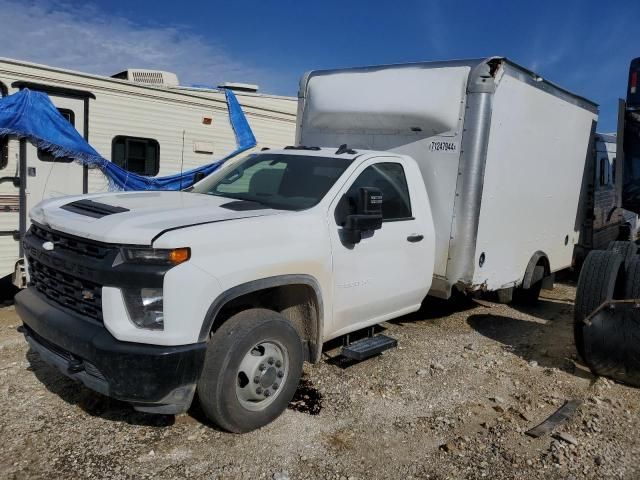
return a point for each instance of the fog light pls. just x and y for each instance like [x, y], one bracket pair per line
[145, 307]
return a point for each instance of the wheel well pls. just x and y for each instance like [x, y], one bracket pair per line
[298, 303]
[539, 259]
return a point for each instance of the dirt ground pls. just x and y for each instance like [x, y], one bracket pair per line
[452, 401]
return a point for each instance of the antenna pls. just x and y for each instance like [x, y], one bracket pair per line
[182, 160]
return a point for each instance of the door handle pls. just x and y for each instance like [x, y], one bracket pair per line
[413, 238]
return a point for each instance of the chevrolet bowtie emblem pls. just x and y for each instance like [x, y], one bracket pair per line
[87, 295]
[48, 246]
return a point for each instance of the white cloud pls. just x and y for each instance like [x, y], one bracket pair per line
[93, 41]
[435, 30]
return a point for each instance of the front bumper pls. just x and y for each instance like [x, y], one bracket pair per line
[156, 379]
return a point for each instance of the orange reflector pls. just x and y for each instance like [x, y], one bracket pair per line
[179, 255]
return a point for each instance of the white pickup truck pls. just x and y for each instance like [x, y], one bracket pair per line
[229, 287]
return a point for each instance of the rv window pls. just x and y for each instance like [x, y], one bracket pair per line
[45, 156]
[390, 179]
[138, 155]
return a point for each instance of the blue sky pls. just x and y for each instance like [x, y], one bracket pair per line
[582, 45]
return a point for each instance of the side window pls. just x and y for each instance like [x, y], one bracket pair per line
[603, 170]
[45, 156]
[138, 155]
[390, 179]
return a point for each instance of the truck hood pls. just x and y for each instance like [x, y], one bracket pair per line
[137, 218]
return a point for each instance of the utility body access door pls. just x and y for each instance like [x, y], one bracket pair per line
[49, 177]
[389, 272]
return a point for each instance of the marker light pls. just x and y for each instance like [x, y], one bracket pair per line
[179, 255]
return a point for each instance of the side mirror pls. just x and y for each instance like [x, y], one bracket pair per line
[367, 216]
[198, 176]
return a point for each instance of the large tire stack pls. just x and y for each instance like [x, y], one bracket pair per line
[609, 341]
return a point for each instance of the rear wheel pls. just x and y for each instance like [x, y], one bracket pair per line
[528, 296]
[627, 249]
[601, 279]
[251, 371]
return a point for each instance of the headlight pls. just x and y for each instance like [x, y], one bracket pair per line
[154, 256]
[145, 307]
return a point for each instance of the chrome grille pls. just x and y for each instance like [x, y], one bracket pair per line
[70, 243]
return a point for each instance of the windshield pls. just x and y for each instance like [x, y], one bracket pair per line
[285, 182]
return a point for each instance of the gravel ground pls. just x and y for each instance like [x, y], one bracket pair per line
[452, 401]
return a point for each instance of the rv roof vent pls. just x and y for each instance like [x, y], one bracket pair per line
[239, 87]
[149, 77]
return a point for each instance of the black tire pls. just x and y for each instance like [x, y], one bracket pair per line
[612, 345]
[528, 296]
[627, 249]
[227, 348]
[632, 279]
[601, 279]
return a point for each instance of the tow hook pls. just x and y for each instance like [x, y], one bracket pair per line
[75, 366]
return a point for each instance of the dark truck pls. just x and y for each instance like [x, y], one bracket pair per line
[607, 307]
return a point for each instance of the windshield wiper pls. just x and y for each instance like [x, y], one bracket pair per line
[244, 199]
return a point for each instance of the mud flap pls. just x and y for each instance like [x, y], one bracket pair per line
[548, 281]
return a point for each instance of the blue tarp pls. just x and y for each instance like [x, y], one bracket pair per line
[31, 115]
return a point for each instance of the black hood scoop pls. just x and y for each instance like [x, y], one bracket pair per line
[243, 206]
[89, 208]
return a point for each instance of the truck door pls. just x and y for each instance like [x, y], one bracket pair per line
[49, 177]
[389, 272]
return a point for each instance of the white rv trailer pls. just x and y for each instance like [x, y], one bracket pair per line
[141, 119]
[502, 151]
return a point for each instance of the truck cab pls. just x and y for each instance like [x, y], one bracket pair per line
[228, 287]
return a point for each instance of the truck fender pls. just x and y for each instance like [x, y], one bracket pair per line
[533, 274]
[315, 346]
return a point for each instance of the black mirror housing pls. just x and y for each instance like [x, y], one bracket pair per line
[368, 215]
[369, 201]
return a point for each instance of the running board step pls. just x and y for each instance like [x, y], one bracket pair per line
[368, 347]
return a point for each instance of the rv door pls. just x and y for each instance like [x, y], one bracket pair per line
[47, 176]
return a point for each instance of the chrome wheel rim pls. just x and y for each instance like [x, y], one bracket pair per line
[261, 375]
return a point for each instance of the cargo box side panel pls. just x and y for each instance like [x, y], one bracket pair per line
[538, 148]
[415, 111]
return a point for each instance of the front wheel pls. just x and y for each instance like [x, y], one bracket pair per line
[251, 370]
